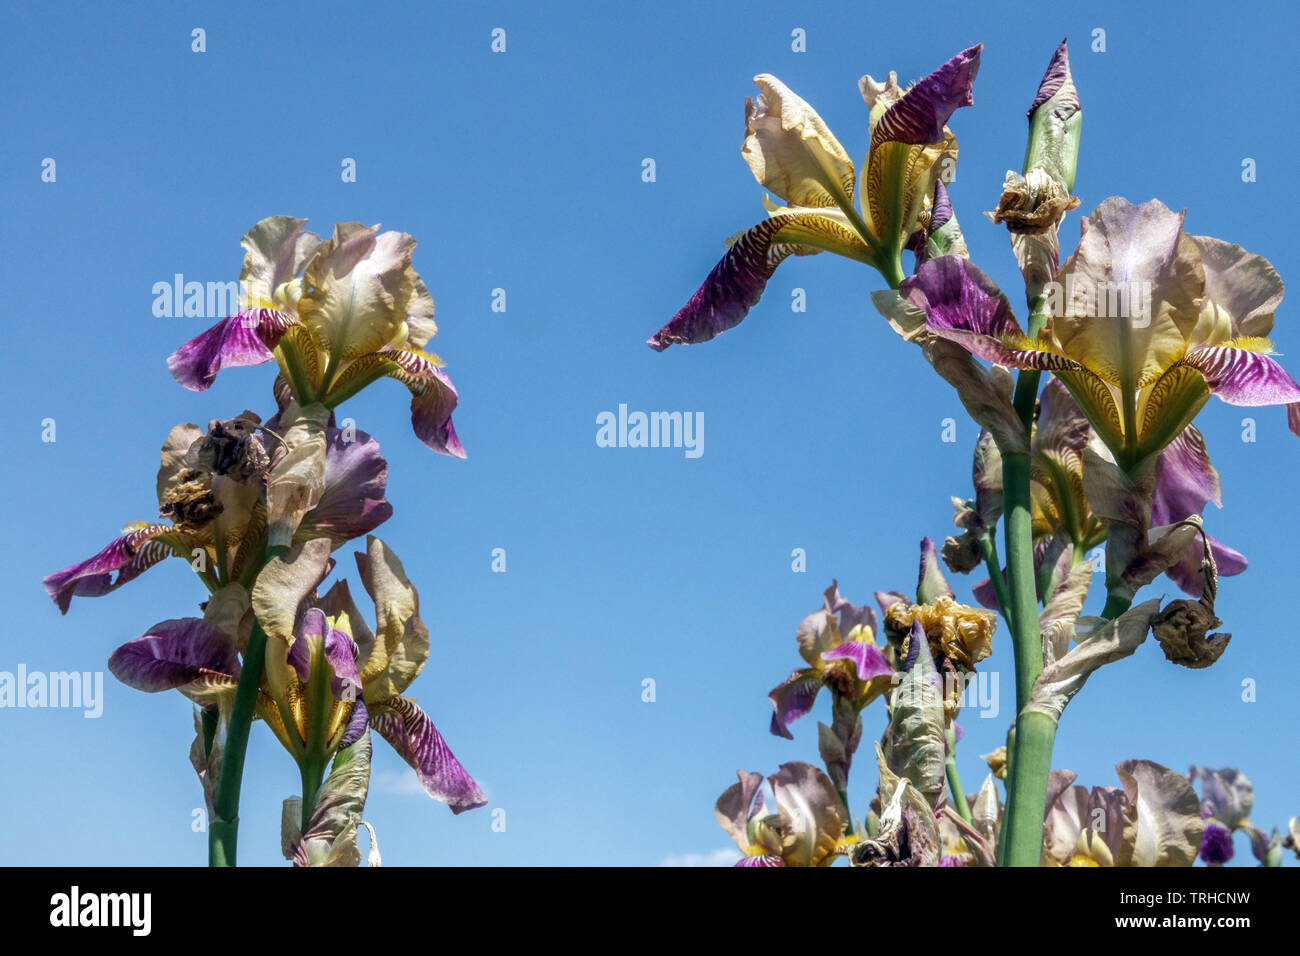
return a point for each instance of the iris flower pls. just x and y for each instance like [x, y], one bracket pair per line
[1153, 820]
[841, 653]
[1227, 797]
[793, 154]
[1146, 322]
[335, 316]
[805, 829]
[212, 488]
[328, 674]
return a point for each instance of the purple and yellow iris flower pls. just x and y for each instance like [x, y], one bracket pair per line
[793, 154]
[335, 315]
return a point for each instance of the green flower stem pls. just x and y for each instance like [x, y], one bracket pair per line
[1022, 831]
[1023, 591]
[993, 564]
[954, 778]
[313, 773]
[1116, 604]
[223, 829]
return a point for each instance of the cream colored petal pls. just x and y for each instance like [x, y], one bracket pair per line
[174, 450]
[357, 289]
[296, 481]
[792, 152]
[401, 644]
[276, 250]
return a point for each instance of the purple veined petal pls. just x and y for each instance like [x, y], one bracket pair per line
[353, 502]
[765, 860]
[357, 724]
[965, 306]
[172, 654]
[919, 116]
[941, 210]
[1185, 479]
[129, 556]
[401, 722]
[791, 699]
[312, 627]
[733, 287]
[1242, 377]
[245, 338]
[339, 651]
[867, 661]
[986, 595]
[433, 399]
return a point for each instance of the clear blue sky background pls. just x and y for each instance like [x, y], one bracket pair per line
[523, 171]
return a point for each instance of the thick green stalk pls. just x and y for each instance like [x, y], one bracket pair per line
[1026, 643]
[223, 829]
[1022, 831]
[954, 778]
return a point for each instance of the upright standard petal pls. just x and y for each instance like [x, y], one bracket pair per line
[275, 251]
[357, 288]
[245, 338]
[734, 808]
[792, 152]
[401, 643]
[793, 698]
[401, 722]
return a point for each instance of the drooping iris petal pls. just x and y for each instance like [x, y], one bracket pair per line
[433, 399]
[176, 654]
[919, 116]
[962, 304]
[1243, 376]
[792, 152]
[791, 699]
[735, 285]
[1186, 482]
[867, 659]
[764, 860]
[245, 338]
[401, 722]
[125, 558]
[352, 502]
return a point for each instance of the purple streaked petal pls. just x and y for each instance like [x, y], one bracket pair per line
[341, 653]
[357, 723]
[433, 399]
[1242, 377]
[401, 722]
[1185, 479]
[867, 661]
[918, 118]
[129, 556]
[965, 306]
[353, 502]
[766, 860]
[173, 654]
[733, 287]
[245, 338]
[791, 699]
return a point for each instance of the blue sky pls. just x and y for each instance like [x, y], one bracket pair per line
[522, 171]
